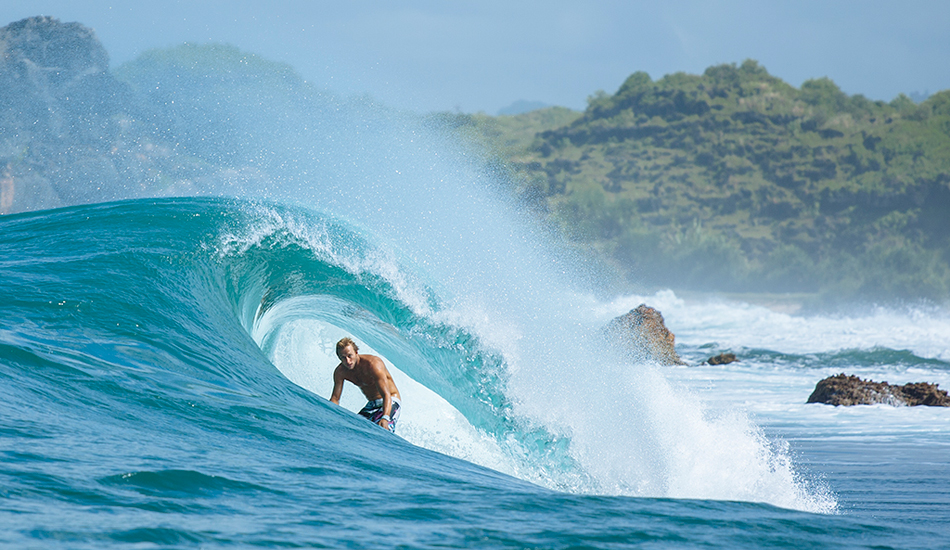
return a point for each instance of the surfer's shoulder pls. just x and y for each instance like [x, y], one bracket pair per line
[375, 362]
[339, 372]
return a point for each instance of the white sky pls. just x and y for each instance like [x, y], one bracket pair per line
[428, 55]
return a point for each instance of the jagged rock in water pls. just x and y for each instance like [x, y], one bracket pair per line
[642, 334]
[851, 390]
[722, 359]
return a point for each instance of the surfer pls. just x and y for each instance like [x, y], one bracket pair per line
[372, 378]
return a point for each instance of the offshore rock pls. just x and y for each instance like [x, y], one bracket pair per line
[642, 334]
[722, 359]
[851, 390]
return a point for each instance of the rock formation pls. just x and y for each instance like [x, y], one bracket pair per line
[722, 359]
[58, 107]
[72, 132]
[642, 334]
[851, 390]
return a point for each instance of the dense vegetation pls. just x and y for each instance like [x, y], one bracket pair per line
[730, 180]
[735, 180]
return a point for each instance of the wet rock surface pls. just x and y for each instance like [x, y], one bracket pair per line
[722, 359]
[848, 390]
[642, 334]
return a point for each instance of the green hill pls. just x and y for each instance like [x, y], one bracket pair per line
[735, 180]
[731, 180]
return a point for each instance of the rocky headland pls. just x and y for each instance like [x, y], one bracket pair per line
[72, 132]
[60, 116]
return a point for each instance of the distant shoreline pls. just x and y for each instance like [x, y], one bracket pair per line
[792, 303]
[788, 303]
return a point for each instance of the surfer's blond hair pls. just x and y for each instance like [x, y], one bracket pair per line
[346, 341]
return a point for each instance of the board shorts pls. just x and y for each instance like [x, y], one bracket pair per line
[374, 411]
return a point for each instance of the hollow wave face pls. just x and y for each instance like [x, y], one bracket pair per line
[511, 375]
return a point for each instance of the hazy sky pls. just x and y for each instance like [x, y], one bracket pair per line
[483, 55]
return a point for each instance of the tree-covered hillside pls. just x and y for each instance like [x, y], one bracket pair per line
[730, 180]
[736, 180]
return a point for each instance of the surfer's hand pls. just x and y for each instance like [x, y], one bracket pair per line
[383, 423]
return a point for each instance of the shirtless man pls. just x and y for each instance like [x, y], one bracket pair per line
[370, 375]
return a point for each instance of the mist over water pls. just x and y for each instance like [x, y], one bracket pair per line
[456, 251]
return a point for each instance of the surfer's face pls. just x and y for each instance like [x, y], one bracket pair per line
[349, 357]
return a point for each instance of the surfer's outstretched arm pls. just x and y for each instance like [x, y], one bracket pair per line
[337, 386]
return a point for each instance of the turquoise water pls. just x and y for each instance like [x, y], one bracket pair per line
[162, 366]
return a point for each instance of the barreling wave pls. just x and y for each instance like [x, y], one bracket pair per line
[174, 287]
[294, 270]
[171, 315]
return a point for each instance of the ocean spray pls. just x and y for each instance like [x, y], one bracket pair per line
[422, 195]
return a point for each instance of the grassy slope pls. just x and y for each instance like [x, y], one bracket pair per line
[735, 180]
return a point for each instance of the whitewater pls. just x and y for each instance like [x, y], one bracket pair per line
[165, 365]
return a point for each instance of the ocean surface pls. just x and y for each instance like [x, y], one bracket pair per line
[165, 365]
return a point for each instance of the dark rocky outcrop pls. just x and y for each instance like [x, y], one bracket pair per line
[49, 71]
[722, 359]
[194, 120]
[642, 334]
[851, 390]
[59, 108]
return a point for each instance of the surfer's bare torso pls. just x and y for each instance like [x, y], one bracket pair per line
[370, 375]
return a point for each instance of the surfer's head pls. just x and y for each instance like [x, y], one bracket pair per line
[346, 351]
[341, 345]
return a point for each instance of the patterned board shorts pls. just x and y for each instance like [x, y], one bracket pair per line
[374, 411]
